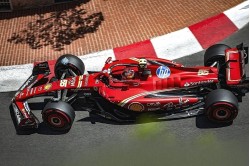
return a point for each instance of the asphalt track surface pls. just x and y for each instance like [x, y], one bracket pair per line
[191, 141]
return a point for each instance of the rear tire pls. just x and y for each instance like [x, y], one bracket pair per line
[68, 62]
[58, 116]
[215, 53]
[221, 106]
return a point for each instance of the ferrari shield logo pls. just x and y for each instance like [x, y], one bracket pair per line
[47, 87]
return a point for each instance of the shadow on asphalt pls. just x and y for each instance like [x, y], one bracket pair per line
[42, 128]
[201, 122]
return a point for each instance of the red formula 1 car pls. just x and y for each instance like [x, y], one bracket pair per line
[125, 89]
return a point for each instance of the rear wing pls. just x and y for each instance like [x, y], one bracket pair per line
[236, 59]
[244, 51]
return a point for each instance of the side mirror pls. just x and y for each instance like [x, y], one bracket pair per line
[108, 60]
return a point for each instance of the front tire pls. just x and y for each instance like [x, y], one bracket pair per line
[221, 106]
[58, 116]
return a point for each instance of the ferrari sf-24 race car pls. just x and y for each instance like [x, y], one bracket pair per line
[125, 89]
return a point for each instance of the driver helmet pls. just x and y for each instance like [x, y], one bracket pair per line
[142, 63]
[128, 73]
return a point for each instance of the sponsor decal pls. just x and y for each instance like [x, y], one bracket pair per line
[186, 84]
[25, 104]
[154, 104]
[87, 94]
[198, 83]
[86, 80]
[85, 89]
[47, 87]
[136, 106]
[27, 83]
[63, 83]
[35, 90]
[136, 83]
[82, 89]
[40, 88]
[163, 72]
[182, 102]
[96, 81]
[75, 90]
[17, 113]
[24, 85]
[171, 105]
[202, 72]
[21, 94]
[28, 91]
[154, 109]
[23, 113]
[31, 91]
[65, 61]
[72, 81]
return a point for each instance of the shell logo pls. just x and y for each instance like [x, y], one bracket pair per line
[136, 106]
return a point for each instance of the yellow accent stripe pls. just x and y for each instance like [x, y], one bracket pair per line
[80, 81]
[122, 103]
[125, 101]
[135, 59]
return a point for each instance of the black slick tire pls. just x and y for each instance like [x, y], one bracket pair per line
[66, 62]
[215, 53]
[221, 106]
[58, 116]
